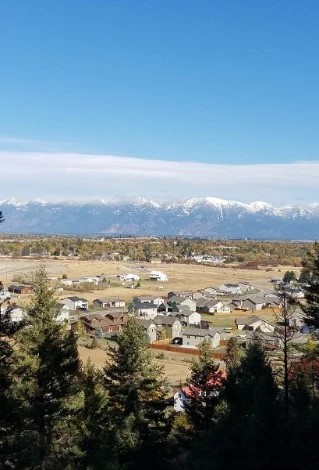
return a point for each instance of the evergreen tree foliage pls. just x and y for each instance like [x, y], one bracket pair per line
[48, 368]
[9, 412]
[311, 289]
[289, 276]
[232, 355]
[243, 435]
[94, 420]
[136, 393]
[204, 387]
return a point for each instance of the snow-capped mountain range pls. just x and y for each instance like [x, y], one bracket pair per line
[200, 217]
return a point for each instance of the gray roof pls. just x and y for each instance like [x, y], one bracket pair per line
[145, 305]
[75, 298]
[165, 320]
[200, 332]
[248, 320]
[211, 303]
[108, 299]
[145, 323]
[201, 302]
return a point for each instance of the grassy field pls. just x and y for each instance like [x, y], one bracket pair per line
[181, 276]
[175, 366]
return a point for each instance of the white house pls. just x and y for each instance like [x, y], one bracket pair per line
[129, 277]
[215, 306]
[75, 303]
[149, 299]
[254, 323]
[158, 276]
[91, 279]
[66, 282]
[63, 313]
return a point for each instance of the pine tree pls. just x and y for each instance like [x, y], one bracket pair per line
[8, 406]
[251, 395]
[94, 420]
[136, 393]
[232, 356]
[241, 437]
[204, 387]
[311, 289]
[48, 369]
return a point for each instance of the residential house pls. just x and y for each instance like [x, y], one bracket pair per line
[145, 310]
[90, 279]
[187, 316]
[158, 276]
[187, 294]
[150, 328]
[171, 325]
[194, 336]
[267, 339]
[296, 319]
[19, 289]
[112, 302]
[63, 313]
[149, 299]
[75, 303]
[177, 300]
[128, 277]
[254, 303]
[215, 306]
[183, 395]
[230, 289]
[254, 323]
[66, 282]
[103, 323]
[236, 289]
[209, 292]
[197, 295]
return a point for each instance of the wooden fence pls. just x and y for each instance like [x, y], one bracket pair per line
[179, 349]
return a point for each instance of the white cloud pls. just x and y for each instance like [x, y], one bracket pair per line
[54, 176]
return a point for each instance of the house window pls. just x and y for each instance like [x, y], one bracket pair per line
[188, 337]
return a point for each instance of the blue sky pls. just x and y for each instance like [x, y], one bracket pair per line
[214, 82]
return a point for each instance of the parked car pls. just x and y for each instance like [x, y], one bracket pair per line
[177, 341]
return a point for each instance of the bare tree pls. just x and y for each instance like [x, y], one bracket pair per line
[287, 335]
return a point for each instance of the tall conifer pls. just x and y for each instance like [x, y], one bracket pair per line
[48, 370]
[136, 393]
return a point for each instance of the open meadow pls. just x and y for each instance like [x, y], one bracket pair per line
[180, 276]
[175, 365]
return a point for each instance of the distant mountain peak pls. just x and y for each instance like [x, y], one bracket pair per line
[201, 217]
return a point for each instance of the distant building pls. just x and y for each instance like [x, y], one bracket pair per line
[194, 336]
[20, 289]
[158, 276]
[75, 303]
[112, 302]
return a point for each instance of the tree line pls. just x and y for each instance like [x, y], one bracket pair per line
[255, 253]
[57, 413]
